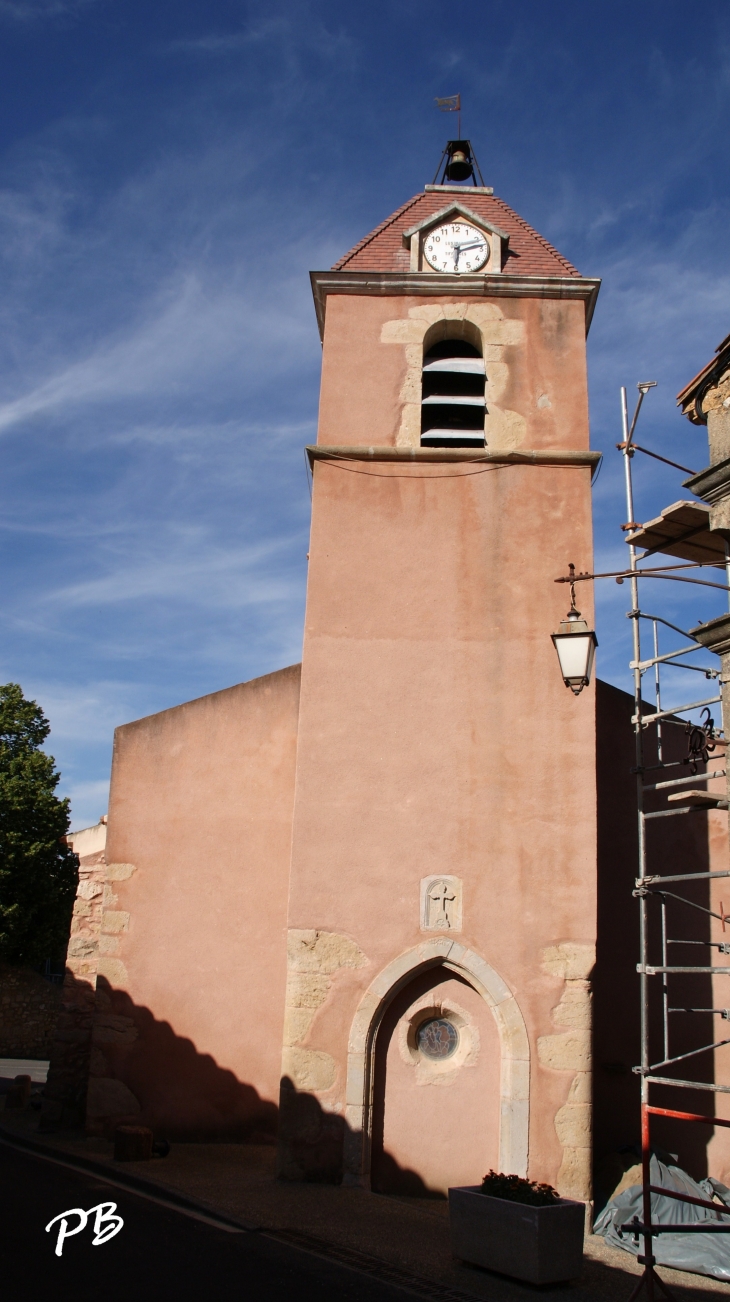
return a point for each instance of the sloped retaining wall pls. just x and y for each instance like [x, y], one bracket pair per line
[29, 1011]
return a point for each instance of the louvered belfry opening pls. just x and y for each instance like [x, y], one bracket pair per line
[452, 402]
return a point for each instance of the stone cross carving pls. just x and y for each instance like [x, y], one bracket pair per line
[441, 903]
[440, 898]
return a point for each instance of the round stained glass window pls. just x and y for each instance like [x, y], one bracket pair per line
[437, 1038]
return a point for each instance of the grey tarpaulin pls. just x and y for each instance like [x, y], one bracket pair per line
[704, 1253]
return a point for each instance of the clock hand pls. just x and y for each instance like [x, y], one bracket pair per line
[458, 249]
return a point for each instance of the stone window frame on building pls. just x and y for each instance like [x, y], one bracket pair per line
[430, 1070]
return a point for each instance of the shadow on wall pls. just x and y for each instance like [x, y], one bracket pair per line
[114, 1063]
[311, 1141]
[677, 845]
[141, 1063]
[29, 1010]
[312, 1145]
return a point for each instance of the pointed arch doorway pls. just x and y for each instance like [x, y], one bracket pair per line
[438, 1074]
[435, 1088]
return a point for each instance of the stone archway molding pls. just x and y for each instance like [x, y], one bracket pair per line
[515, 1051]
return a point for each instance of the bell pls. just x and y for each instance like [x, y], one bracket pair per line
[459, 167]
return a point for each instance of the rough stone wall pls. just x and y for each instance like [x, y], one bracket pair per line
[569, 1050]
[29, 1011]
[78, 1084]
[64, 1098]
[310, 1130]
[716, 406]
[109, 1102]
[313, 960]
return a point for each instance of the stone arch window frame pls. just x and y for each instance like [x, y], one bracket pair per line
[456, 327]
[507, 428]
[514, 1100]
[463, 330]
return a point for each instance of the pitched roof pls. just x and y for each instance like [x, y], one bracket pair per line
[690, 397]
[529, 254]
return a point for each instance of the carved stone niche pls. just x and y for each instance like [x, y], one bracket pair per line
[441, 904]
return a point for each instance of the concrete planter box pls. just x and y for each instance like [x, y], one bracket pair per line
[541, 1245]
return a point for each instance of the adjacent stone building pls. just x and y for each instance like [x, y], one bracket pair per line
[706, 401]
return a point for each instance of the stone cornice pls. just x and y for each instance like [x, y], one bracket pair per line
[715, 634]
[460, 189]
[431, 284]
[712, 484]
[515, 457]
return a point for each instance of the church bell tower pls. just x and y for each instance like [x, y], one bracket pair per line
[441, 917]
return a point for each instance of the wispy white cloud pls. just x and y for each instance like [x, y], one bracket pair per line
[89, 800]
[35, 11]
[232, 42]
[190, 328]
[31, 220]
[82, 713]
[193, 571]
[182, 435]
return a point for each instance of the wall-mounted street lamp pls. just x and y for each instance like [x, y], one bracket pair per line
[575, 644]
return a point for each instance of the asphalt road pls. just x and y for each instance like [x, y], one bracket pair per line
[158, 1253]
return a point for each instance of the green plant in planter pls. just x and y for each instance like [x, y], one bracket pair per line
[516, 1190]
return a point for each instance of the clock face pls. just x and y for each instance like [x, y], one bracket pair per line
[456, 247]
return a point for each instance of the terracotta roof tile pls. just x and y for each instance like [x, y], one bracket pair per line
[690, 397]
[529, 253]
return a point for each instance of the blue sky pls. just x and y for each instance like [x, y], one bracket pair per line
[169, 174]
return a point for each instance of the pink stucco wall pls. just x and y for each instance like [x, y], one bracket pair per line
[436, 735]
[362, 377]
[201, 803]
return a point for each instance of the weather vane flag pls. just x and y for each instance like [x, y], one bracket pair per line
[450, 104]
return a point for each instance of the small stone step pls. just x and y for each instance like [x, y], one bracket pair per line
[132, 1144]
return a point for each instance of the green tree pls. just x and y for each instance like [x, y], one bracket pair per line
[38, 870]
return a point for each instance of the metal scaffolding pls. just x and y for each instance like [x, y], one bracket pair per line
[664, 900]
